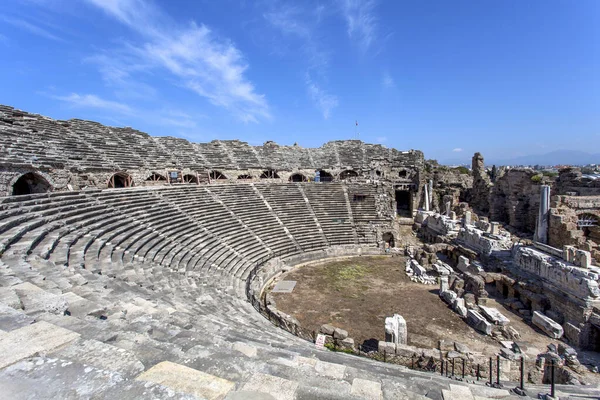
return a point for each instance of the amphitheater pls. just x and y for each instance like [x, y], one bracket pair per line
[135, 266]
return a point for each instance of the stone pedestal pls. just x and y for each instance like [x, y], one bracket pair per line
[395, 330]
[467, 220]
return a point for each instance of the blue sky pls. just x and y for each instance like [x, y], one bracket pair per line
[506, 77]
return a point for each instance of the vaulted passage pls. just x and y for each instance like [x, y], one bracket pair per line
[30, 183]
[403, 203]
[324, 176]
[348, 174]
[298, 178]
[120, 180]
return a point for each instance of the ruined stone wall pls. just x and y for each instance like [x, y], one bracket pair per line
[480, 195]
[570, 180]
[515, 199]
[86, 154]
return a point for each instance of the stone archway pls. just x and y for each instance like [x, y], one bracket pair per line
[324, 176]
[298, 178]
[120, 180]
[348, 174]
[30, 183]
[388, 239]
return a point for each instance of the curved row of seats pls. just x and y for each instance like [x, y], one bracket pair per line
[102, 290]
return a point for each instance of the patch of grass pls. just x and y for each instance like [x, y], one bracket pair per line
[332, 347]
[537, 178]
[345, 277]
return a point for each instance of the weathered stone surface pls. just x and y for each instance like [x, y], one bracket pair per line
[40, 337]
[365, 389]
[340, 334]
[459, 307]
[478, 321]
[449, 297]
[187, 380]
[494, 315]
[546, 324]
[280, 388]
[396, 330]
[327, 329]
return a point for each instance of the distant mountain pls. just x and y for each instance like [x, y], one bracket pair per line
[558, 157]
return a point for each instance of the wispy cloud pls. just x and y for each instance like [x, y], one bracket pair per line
[324, 101]
[302, 23]
[29, 27]
[381, 139]
[93, 101]
[457, 150]
[387, 81]
[361, 21]
[202, 62]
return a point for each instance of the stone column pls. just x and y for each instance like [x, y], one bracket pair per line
[448, 208]
[395, 330]
[467, 218]
[444, 283]
[541, 228]
[426, 195]
[430, 192]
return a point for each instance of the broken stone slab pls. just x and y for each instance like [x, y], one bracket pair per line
[386, 347]
[449, 296]
[494, 315]
[405, 350]
[459, 307]
[463, 264]
[546, 324]
[327, 329]
[395, 329]
[187, 380]
[340, 334]
[444, 285]
[347, 343]
[478, 322]
[461, 348]
[41, 337]
[36, 300]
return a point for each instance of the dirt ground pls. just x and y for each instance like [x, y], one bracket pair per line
[358, 293]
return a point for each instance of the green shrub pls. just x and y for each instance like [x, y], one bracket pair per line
[462, 170]
[537, 178]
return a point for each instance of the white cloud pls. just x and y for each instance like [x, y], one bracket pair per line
[361, 21]
[210, 66]
[387, 81]
[31, 28]
[324, 101]
[93, 101]
[457, 150]
[381, 139]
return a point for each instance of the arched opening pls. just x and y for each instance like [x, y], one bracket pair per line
[216, 175]
[189, 178]
[120, 180]
[403, 174]
[30, 183]
[155, 178]
[388, 239]
[348, 174]
[379, 174]
[269, 174]
[324, 176]
[244, 177]
[298, 178]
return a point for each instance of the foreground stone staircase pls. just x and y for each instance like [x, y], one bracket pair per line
[86, 312]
